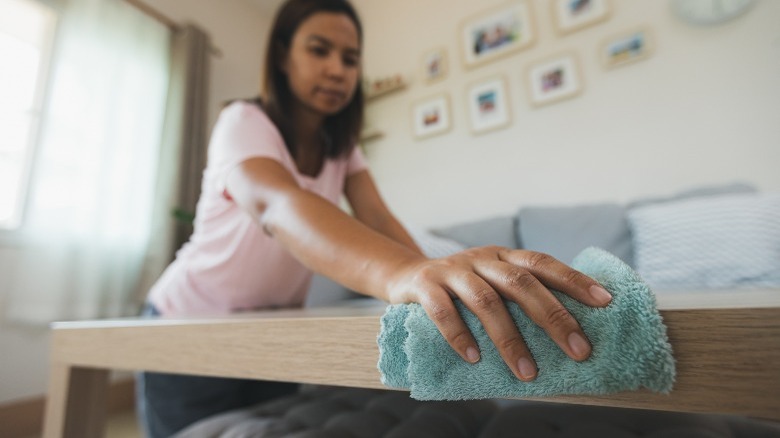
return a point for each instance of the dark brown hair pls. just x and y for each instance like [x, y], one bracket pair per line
[341, 130]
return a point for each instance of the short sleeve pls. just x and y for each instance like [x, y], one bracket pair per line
[357, 162]
[242, 131]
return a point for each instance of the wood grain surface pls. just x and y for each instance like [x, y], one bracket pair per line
[728, 357]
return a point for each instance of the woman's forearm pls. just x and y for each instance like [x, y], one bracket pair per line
[330, 242]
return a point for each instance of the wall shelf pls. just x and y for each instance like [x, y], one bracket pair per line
[384, 86]
[370, 134]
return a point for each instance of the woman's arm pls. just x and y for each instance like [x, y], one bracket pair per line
[369, 208]
[330, 242]
[315, 231]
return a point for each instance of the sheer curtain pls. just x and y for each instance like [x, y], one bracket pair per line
[87, 227]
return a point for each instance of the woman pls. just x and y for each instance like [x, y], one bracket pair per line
[268, 217]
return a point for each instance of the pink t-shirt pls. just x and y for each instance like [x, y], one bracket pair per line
[229, 263]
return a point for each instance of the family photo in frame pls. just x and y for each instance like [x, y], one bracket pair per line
[488, 105]
[573, 15]
[496, 33]
[626, 48]
[435, 65]
[554, 80]
[431, 116]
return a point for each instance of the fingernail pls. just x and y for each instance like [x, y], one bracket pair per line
[526, 368]
[578, 345]
[600, 294]
[472, 354]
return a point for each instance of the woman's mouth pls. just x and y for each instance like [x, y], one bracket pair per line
[332, 94]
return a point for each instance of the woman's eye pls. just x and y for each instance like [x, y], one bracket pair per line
[319, 51]
[351, 61]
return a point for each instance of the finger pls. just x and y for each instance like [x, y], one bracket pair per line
[557, 275]
[441, 310]
[489, 308]
[519, 285]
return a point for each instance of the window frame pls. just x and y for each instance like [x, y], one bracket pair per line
[36, 112]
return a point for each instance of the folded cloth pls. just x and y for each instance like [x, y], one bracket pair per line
[630, 346]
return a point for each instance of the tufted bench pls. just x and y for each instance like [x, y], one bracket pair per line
[325, 412]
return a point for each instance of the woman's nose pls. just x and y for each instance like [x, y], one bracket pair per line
[335, 67]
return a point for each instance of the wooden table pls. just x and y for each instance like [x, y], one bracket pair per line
[727, 346]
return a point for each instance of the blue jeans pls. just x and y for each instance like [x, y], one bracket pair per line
[167, 403]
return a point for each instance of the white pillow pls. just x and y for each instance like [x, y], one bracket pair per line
[714, 242]
[432, 245]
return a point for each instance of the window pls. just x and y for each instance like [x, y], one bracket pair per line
[26, 35]
[83, 207]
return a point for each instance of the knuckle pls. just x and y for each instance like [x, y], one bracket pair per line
[440, 312]
[520, 279]
[427, 274]
[574, 277]
[461, 338]
[539, 260]
[484, 251]
[472, 252]
[492, 249]
[559, 317]
[485, 300]
[508, 343]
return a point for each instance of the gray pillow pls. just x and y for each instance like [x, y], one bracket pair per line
[563, 232]
[500, 230]
[325, 292]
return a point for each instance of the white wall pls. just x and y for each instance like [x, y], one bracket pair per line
[238, 29]
[25, 362]
[702, 109]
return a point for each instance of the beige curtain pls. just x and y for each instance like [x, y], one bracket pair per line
[188, 103]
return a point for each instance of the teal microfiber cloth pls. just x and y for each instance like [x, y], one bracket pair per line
[630, 346]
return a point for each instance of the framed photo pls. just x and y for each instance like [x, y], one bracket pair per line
[435, 65]
[488, 105]
[626, 48]
[573, 15]
[554, 79]
[431, 116]
[496, 33]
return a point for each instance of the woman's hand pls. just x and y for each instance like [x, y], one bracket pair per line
[480, 278]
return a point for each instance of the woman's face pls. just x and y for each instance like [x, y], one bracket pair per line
[323, 63]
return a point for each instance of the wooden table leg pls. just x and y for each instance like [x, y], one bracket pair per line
[76, 403]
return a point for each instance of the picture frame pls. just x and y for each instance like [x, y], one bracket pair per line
[573, 15]
[488, 104]
[435, 65]
[627, 47]
[554, 79]
[496, 33]
[431, 116]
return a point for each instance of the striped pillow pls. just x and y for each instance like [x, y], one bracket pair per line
[714, 242]
[432, 245]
